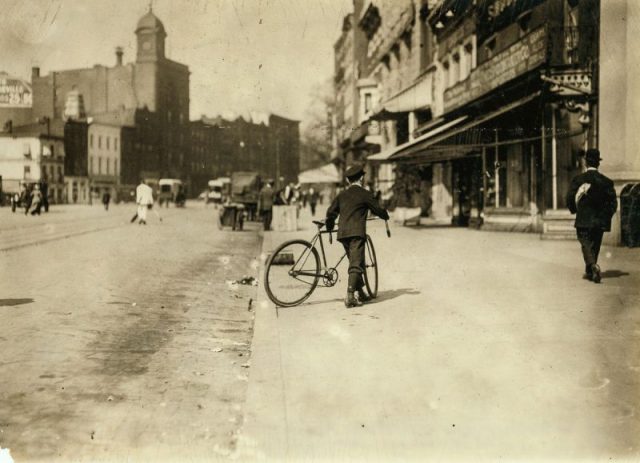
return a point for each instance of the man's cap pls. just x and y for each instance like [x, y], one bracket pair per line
[593, 155]
[354, 171]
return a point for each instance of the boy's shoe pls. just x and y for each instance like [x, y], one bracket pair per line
[363, 297]
[351, 301]
[595, 270]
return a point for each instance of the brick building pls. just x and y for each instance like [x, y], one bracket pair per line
[154, 86]
[266, 143]
[484, 106]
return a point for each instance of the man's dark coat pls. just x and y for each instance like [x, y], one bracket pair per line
[597, 206]
[353, 205]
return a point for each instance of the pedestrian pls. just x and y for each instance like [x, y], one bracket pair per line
[313, 201]
[265, 204]
[106, 199]
[25, 198]
[592, 198]
[144, 200]
[44, 190]
[36, 200]
[353, 206]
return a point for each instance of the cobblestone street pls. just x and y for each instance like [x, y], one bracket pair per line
[123, 341]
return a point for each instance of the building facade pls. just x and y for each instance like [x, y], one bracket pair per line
[265, 143]
[485, 106]
[32, 154]
[154, 86]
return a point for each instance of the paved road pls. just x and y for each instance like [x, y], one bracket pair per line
[123, 341]
[481, 347]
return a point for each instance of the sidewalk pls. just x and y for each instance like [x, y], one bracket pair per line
[482, 346]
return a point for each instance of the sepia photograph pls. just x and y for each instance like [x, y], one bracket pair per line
[319, 231]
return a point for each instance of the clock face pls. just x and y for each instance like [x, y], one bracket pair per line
[146, 45]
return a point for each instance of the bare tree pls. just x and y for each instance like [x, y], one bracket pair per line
[315, 142]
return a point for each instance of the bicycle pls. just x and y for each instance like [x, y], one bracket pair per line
[294, 270]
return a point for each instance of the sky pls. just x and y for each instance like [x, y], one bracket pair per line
[243, 55]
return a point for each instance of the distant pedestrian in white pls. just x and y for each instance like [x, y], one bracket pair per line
[144, 200]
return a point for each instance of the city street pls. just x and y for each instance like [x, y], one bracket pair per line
[120, 340]
[482, 346]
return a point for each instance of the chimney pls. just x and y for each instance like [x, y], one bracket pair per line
[119, 54]
[35, 72]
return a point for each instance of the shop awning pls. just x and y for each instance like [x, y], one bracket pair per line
[427, 141]
[415, 98]
[325, 174]
[387, 154]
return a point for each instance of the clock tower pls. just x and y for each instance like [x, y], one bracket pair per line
[151, 37]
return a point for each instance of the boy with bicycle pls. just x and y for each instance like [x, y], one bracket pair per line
[352, 205]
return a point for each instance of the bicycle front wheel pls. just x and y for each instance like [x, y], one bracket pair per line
[292, 273]
[370, 268]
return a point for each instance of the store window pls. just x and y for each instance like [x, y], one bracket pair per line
[496, 178]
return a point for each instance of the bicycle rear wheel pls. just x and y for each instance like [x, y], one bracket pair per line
[370, 268]
[292, 273]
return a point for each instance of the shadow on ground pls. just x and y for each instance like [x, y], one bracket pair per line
[12, 302]
[394, 293]
[613, 274]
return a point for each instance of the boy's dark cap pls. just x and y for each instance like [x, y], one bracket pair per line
[593, 155]
[354, 171]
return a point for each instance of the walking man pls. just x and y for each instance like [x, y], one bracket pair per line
[313, 201]
[353, 205]
[593, 199]
[106, 199]
[144, 200]
[265, 204]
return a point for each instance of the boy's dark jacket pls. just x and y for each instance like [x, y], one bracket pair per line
[352, 205]
[598, 205]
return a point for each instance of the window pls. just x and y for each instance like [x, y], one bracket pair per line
[108, 166]
[60, 176]
[367, 102]
[26, 150]
[100, 141]
[467, 61]
[91, 165]
[91, 141]
[27, 171]
[454, 72]
[115, 144]
[445, 74]
[51, 151]
[115, 167]
[490, 47]
[108, 142]
[99, 165]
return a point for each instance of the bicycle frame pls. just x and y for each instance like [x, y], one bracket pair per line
[316, 239]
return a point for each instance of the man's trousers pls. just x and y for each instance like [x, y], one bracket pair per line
[354, 247]
[590, 241]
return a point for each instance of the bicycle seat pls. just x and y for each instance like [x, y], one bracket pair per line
[319, 223]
